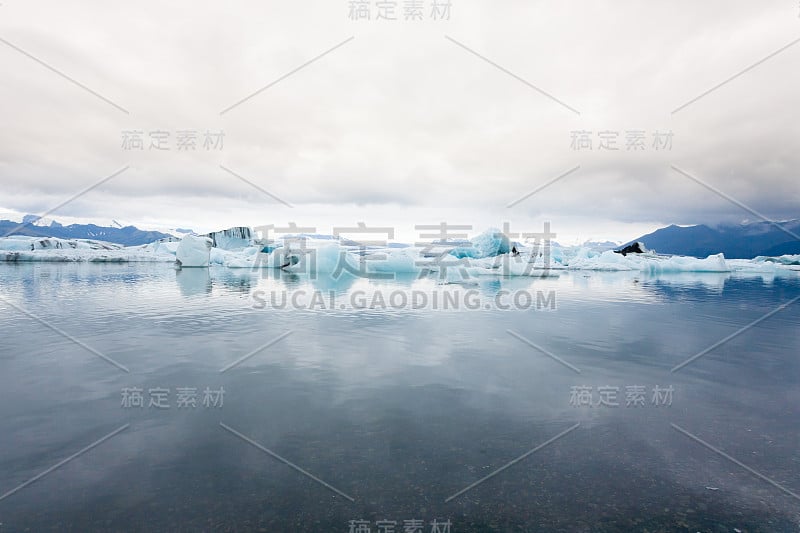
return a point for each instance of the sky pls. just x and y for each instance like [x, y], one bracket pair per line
[327, 120]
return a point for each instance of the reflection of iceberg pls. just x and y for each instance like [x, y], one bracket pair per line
[237, 280]
[710, 281]
[534, 262]
[193, 281]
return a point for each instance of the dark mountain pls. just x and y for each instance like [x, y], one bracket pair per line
[127, 236]
[743, 241]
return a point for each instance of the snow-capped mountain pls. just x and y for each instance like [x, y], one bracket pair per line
[739, 241]
[35, 227]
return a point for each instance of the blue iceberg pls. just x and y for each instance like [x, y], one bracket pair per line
[490, 243]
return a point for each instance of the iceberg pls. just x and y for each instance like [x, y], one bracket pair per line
[396, 261]
[788, 260]
[648, 262]
[317, 257]
[488, 254]
[19, 248]
[490, 243]
[237, 238]
[193, 251]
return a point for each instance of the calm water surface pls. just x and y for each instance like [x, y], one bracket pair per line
[394, 412]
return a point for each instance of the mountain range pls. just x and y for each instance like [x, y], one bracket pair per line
[127, 236]
[740, 241]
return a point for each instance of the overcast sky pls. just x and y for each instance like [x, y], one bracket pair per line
[409, 122]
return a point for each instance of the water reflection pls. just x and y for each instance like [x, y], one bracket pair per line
[399, 408]
[193, 281]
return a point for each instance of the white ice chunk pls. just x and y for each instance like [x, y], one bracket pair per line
[194, 251]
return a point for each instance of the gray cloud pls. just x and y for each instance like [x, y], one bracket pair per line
[400, 121]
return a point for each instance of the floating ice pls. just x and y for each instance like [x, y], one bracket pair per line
[236, 238]
[585, 259]
[164, 246]
[397, 261]
[319, 256]
[193, 251]
[490, 243]
[23, 243]
[789, 260]
[485, 255]
[22, 249]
